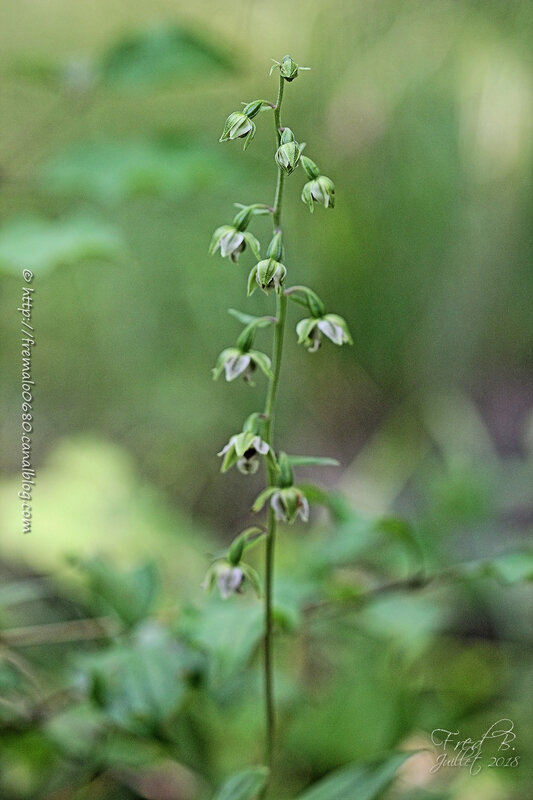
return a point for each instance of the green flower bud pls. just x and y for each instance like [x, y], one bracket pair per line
[286, 478]
[311, 169]
[275, 248]
[288, 68]
[268, 274]
[238, 126]
[252, 109]
[289, 151]
[321, 190]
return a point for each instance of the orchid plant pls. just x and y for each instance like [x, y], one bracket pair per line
[284, 501]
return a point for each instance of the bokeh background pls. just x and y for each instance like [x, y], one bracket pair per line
[111, 182]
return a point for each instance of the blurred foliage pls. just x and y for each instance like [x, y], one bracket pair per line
[117, 680]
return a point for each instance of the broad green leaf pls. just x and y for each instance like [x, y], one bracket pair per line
[228, 631]
[160, 55]
[111, 171]
[129, 594]
[142, 683]
[357, 782]
[41, 245]
[244, 785]
[402, 531]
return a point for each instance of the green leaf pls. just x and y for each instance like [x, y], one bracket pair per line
[42, 245]
[357, 782]
[139, 685]
[509, 568]
[129, 594]
[111, 172]
[310, 461]
[402, 531]
[228, 633]
[160, 55]
[242, 317]
[244, 785]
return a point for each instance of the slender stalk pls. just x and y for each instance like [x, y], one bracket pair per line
[281, 310]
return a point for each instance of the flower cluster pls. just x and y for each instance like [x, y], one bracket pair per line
[285, 501]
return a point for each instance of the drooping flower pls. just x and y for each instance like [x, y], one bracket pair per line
[234, 361]
[320, 190]
[333, 326]
[289, 152]
[288, 503]
[229, 580]
[267, 274]
[243, 449]
[231, 241]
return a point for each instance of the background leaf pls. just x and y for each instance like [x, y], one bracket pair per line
[244, 785]
[158, 55]
[41, 245]
[359, 782]
[114, 171]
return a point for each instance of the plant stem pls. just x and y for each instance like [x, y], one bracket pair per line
[281, 310]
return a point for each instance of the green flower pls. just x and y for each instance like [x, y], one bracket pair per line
[310, 331]
[320, 190]
[234, 362]
[267, 274]
[231, 241]
[243, 449]
[288, 503]
[289, 152]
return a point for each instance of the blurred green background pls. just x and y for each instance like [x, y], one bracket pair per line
[111, 183]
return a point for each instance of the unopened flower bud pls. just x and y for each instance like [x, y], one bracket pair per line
[288, 68]
[238, 126]
[321, 190]
[275, 248]
[311, 169]
[252, 109]
[289, 151]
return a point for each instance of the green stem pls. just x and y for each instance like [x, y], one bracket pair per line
[281, 312]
